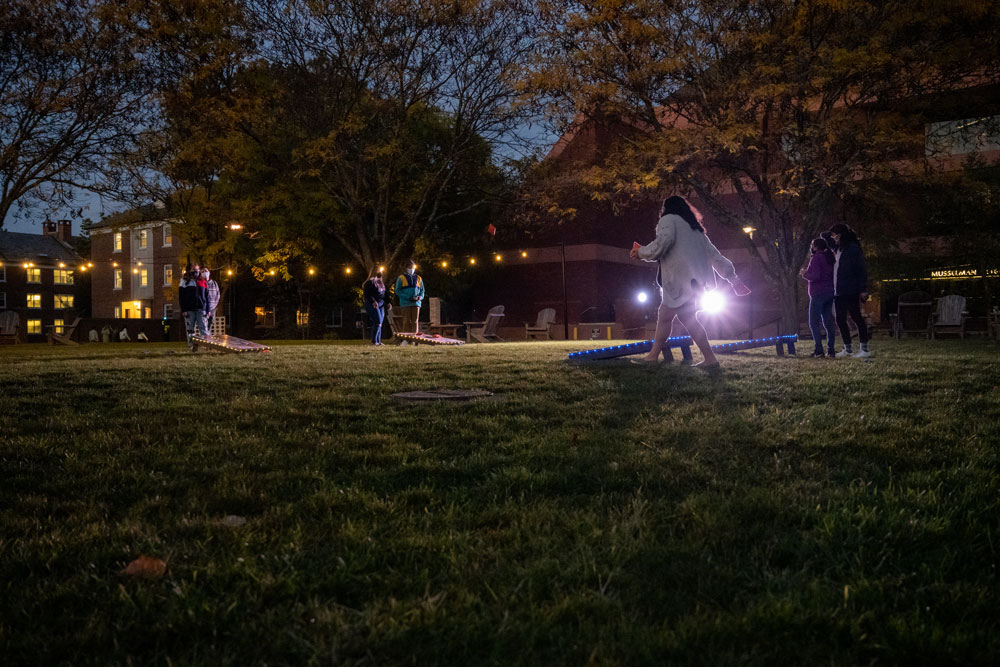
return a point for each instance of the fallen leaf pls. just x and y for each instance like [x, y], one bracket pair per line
[146, 567]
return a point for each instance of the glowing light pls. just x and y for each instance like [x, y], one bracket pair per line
[444, 265]
[524, 253]
[114, 263]
[347, 270]
[472, 260]
[135, 270]
[89, 264]
[235, 226]
[381, 269]
[498, 257]
[642, 297]
[713, 302]
[229, 272]
[312, 271]
[137, 264]
[24, 266]
[272, 272]
[62, 265]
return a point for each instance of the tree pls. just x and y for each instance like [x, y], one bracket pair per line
[72, 93]
[770, 113]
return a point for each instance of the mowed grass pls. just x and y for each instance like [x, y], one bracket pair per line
[791, 511]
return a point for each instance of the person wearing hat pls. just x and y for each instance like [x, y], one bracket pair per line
[410, 292]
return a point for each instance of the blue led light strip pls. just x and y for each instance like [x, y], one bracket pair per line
[684, 343]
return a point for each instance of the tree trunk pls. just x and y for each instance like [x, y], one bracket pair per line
[791, 314]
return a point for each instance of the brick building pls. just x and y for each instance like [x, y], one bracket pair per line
[38, 279]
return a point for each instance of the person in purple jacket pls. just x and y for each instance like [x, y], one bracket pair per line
[819, 275]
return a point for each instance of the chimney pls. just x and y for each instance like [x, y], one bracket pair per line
[62, 229]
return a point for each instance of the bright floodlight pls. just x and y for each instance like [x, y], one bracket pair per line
[642, 297]
[713, 302]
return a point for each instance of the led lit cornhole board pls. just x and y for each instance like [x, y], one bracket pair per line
[427, 339]
[684, 342]
[230, 344]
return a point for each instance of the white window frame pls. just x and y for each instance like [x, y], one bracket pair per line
[28, 299]
[168, 311]
[143, 278]
[168, 236]
[168, 275]
[118, 312]
[143, 239]
[116, 242]
[119, 279]
[3, 273]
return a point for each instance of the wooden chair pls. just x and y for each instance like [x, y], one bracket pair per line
[10, 327]
[485, 332]
[913, 315]
[949, 316]
[546, 316]
[65, 337]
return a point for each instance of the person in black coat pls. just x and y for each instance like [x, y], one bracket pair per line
[194, 302]
[850, 285]
[373, 293]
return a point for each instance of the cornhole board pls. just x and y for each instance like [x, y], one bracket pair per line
[229, 344]
[684, 342]
[427, 339]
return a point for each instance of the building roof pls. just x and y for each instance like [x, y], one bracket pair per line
[134, 216]
[16, 247]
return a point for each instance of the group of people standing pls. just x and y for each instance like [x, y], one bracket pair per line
[199, 297]
[837, 276]
[409, 289]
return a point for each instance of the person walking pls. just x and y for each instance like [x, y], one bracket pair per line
[687, 266]
[193, 300]
[212, 294]
[373, 293]
[819, 276]
[850, 285]
[410, 292]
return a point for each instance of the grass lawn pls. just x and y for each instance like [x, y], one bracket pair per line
[791, 511]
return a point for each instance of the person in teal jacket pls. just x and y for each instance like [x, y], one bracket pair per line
[410, 292]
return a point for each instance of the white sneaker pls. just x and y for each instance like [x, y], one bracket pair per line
[846, 352]
[862, 354]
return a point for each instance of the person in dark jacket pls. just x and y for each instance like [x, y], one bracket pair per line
[373, 293]
[850, 285]
[193, 301]
[819, 275]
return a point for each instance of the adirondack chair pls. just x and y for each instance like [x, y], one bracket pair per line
[949, 316]
[540, 329]
[485, 332]
[913, 315]
[65, 336]
[10, 325]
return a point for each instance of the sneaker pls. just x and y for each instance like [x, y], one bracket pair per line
[862, 354]
[831, 354]
[846, 352]
[818, 353]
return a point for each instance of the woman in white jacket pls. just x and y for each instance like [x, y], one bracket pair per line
[688, 264]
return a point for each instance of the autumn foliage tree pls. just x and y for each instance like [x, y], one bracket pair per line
[769, 113]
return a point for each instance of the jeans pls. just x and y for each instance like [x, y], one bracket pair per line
[195, 323]
[850, 304]
[820, 318]
[375, 316]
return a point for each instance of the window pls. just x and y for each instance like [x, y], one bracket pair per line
[3, 299]
[264, 316]
[302, 318]
[961, 137]
[34, 301]
[62, 301]
[143, 238]
[59, 326]
[118, 279]
[34, 275]
[3, 273]
[168, 236]
[168, 275]
[335, 320]
[62, 276]
[118, 312]
[34, 326]
[148, 312]
[143, 278]
[118, 242]
[168, 311]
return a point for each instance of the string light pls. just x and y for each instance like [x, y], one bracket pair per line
[272, 272]
[115, 264]
[472, 260]
[347, 270]
[312, 271]
[524, 253]
[381, 269]
[229, 272]
[62, 265]
[444, 265]
[498, 257]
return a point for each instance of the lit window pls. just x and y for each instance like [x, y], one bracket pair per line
[62, 276]
[263, 316]
[168, 236]
[168, 275]
[168, 310]
[143, 238]
[302, 318]
[118, 242]
[58, 326]
[34, 275]
[118, 279]
[118, 312]
[62, 301]
[143, 278]
[34, 300]
[148, 313]
[34, 326]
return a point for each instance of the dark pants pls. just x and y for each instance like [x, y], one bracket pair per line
[375, 315]
[821, 317]
[850, 304]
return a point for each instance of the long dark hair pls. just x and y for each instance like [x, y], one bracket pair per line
[847, 235]
[677, 205]
[821, 246]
